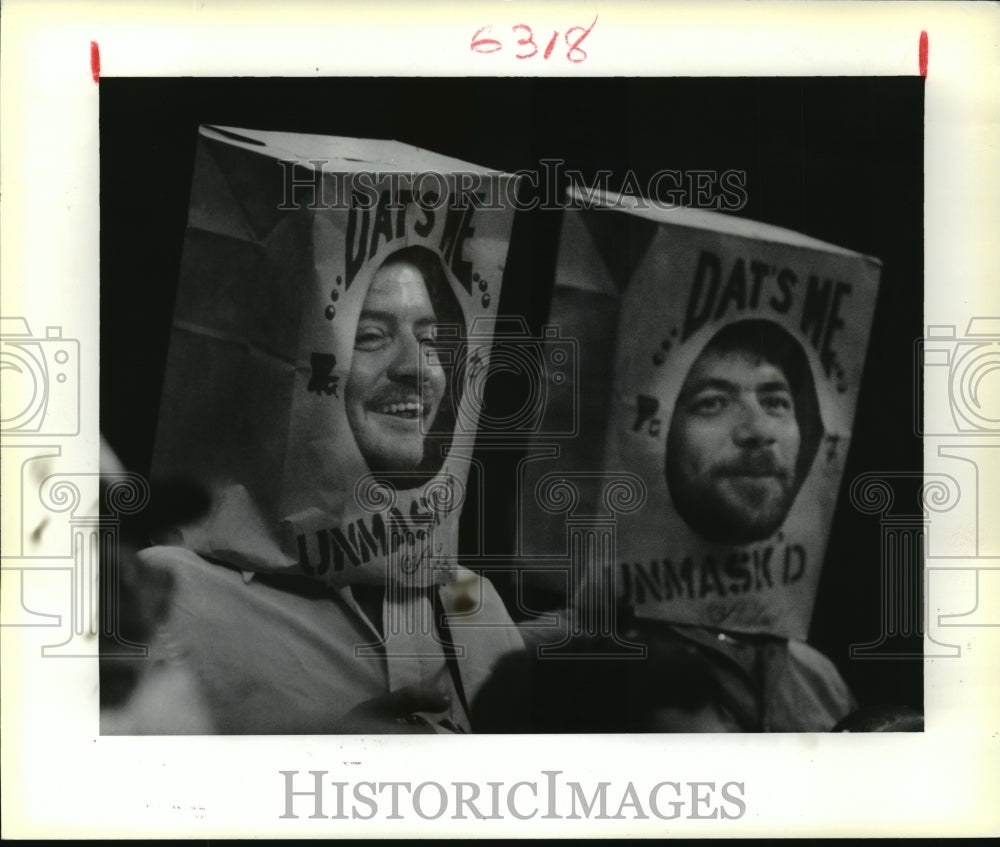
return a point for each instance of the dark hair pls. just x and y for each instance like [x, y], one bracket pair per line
[451, 349]
[770, 343]
[776, 346]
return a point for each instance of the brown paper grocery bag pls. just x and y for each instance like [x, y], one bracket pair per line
[766, 332]
[317, 371]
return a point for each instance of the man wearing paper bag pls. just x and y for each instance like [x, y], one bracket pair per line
[313, 387]
[737, 358]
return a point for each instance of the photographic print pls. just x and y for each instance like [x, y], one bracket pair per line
[525, 422]
[293, 375]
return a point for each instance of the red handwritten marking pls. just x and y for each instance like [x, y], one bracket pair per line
[575, 53]
[923, 53]
[524, 42]
[552, 44]
[95, 61]
[484, 45]
[575, 46]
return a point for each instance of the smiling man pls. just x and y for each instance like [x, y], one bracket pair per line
[743, 434]
[397, 394]
[222, 644]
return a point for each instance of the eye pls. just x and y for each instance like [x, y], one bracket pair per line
[777, 404]
[708, 404]
[426, 336]
[370, 338]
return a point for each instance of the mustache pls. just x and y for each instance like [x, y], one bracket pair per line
[759, 463]
[404, 394]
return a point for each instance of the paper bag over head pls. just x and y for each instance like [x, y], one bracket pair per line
[316, 380]
[737, 351]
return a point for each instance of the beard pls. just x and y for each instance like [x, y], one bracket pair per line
[738, 502]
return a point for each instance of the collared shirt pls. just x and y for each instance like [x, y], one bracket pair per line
[287, 655]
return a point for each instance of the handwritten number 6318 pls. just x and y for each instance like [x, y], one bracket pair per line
[529, 47]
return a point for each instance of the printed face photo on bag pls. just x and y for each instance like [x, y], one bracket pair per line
[743, 433]
[397, 394]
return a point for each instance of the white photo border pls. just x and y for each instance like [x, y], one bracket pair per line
[62, 779]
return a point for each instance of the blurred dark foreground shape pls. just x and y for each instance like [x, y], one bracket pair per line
[135, 695]
[690, 681]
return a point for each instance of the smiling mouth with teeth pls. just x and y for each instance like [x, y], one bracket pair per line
[411, 409]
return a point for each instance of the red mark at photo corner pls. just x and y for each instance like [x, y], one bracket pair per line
[573, 37]
[95, 61]
[924, 46]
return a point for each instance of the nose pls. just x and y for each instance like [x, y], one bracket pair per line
[404, 365]
[753, 426]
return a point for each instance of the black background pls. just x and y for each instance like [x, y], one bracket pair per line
[839, 159]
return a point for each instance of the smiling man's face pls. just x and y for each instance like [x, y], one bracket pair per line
[391, 396]
[732, 448]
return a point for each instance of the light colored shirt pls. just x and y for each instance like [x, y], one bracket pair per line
[285, 655]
